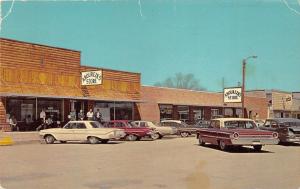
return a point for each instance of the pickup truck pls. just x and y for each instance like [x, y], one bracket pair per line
[132, 133]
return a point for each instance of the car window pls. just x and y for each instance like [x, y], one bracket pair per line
[267, 123]
[240, 124]
[142, 124]
[70, 126]
[215, 124]
[95, 124]
[80, 126]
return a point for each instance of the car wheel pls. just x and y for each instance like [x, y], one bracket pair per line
[201, 142]
[222, 145]
[49, 139]
[104, 141]
[131, 137]
[93, 140]
[63, 142]
[257, 147]
[155, 136]
[184, 134]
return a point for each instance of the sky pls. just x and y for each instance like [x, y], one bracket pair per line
[158, 38]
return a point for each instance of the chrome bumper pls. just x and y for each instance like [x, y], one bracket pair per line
[254, 141]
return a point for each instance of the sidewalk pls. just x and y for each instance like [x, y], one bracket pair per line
[21, 137]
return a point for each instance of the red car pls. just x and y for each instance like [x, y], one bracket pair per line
[226, 132]
[132, 133]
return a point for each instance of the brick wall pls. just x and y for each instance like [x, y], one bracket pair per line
[4, 126]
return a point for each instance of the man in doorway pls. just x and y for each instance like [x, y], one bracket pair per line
[80, 115]
[90, 115]
[98, 116]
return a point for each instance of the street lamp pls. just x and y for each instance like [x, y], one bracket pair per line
[243, 84]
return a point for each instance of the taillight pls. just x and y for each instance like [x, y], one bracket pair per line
[275, 135]
[235, 135]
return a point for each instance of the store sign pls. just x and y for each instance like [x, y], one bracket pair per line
[91, 78]
[232, 95]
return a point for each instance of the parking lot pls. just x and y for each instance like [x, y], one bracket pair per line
[167, 163]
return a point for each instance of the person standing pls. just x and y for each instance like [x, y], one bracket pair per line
[13, 123]
[90, 115]
[98, 116]
[80, 115]
[43, 116]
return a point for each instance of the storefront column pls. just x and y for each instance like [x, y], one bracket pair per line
[191, 114]
[207, 113]
[175, 113]
[66, 112]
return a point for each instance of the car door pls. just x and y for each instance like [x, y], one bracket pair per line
[67, 132]
[80, 132]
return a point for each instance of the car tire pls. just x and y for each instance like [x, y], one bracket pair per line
[184, 134]
[93, 140]
[257, 148]
[49, 139]
[104, 141]
[155, 136]
[131, 137]
[201, 141]
[222, 145]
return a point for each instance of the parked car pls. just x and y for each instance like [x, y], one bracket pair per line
[91, 131]
[132, 132]
[202, 124]
[158, 131]
[183, 129]
[226, 132]
[288, 128]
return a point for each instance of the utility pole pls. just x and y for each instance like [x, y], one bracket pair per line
[243, 84]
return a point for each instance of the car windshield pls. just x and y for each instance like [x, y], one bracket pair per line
[96, 124]
[240, 124]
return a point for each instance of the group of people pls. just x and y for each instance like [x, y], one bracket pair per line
[90, 115]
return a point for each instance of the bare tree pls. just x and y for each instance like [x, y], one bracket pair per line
[181, 81]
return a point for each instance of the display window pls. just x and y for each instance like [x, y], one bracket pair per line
[166, 111]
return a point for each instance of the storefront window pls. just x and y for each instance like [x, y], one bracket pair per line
[166, 111]
[21, 109]
[228, 112]
[183, 112]
[198, 113]
[53, 108]
[115, 111]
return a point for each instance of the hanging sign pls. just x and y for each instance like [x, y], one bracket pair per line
[91, 78]
[232, 95]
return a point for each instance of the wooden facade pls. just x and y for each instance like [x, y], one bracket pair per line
[33, 70]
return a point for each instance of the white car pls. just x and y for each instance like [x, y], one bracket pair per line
[90, 131]
[159, 131]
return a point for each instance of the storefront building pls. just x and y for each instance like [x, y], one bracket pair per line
[36, 78]
[189, 106]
